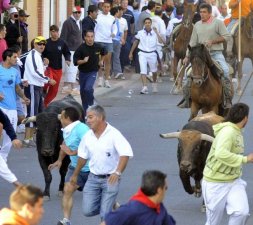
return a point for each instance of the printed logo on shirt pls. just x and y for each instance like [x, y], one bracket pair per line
[108, 154]
[59, 48]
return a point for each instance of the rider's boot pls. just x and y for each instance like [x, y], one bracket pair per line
[227, 92]
[185, 102]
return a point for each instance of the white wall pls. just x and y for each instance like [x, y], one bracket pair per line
[46, 18]
[62, 12]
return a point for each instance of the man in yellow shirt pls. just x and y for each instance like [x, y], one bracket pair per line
[222, 185]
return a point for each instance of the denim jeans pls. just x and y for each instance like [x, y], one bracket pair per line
[219, 57]
[99, 196]
[87, 81]
[116, 67]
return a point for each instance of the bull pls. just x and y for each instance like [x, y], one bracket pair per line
[194, 143]
[49, 138]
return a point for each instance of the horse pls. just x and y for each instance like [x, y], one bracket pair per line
[182, 40]
[206, 86]
[246, 50]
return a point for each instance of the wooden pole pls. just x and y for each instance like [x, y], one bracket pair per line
[239, 33]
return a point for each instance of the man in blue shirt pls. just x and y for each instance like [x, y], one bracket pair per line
[9, 87]
[73, 131]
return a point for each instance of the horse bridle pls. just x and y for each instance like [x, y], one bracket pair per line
[203, 77]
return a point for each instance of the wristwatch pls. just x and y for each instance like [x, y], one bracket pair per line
[118, 173]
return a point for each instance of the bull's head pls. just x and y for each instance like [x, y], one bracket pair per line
[48, 133]
[189, 148]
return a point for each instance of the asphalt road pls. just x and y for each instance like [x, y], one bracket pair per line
[141, 118]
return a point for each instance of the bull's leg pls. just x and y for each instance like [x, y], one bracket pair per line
[197, 188]
[63, 171]
[186, 182]
[47, 176]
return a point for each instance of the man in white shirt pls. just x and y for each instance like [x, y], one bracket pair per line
[34, 74]
[105, 30]
[159, 24]
[224, 13]
[146, 40]
[118, 41]
[108, 152]
[175, 21]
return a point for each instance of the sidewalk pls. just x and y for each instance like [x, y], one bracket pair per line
[131, 78]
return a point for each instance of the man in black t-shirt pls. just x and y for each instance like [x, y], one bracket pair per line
[54, 50]
[89, 56]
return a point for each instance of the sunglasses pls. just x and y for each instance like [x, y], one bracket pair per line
[41, 44]
[79, 12]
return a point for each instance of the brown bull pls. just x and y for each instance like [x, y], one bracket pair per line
[194, 143]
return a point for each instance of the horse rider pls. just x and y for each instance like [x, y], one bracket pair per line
[212, 33]
[246, 7]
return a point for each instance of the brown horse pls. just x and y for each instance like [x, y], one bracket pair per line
[182, 40]
[206, 88]
[246, 47]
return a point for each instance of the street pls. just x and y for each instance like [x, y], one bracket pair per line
[140, 118]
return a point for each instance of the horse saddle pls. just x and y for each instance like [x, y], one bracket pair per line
[218, 69]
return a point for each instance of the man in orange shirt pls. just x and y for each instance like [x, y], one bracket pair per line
[246, 7]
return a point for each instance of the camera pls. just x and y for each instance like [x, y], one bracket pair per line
[16, 16]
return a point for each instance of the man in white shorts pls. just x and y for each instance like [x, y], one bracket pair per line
[71, 33]
[146, 40]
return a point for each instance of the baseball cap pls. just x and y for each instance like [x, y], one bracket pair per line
[76, 9]
[22, 12]
[40, 39]
[12, 10]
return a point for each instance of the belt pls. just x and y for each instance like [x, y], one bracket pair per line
[102, 176]
[157, 55]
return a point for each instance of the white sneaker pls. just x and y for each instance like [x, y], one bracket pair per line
[154, 88]
[144, 90]
[107, 84]
[100, 81]
[118, 75]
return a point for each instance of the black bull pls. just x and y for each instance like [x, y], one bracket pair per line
[193, 148]
[49, 138]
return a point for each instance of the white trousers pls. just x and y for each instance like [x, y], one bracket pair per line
[5, 172]
[229, 196]
[6, 147]
[147, 59]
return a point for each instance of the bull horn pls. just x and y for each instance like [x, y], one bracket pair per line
[29, 120]
[59, 116]
[206, 137]
[170, 135]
